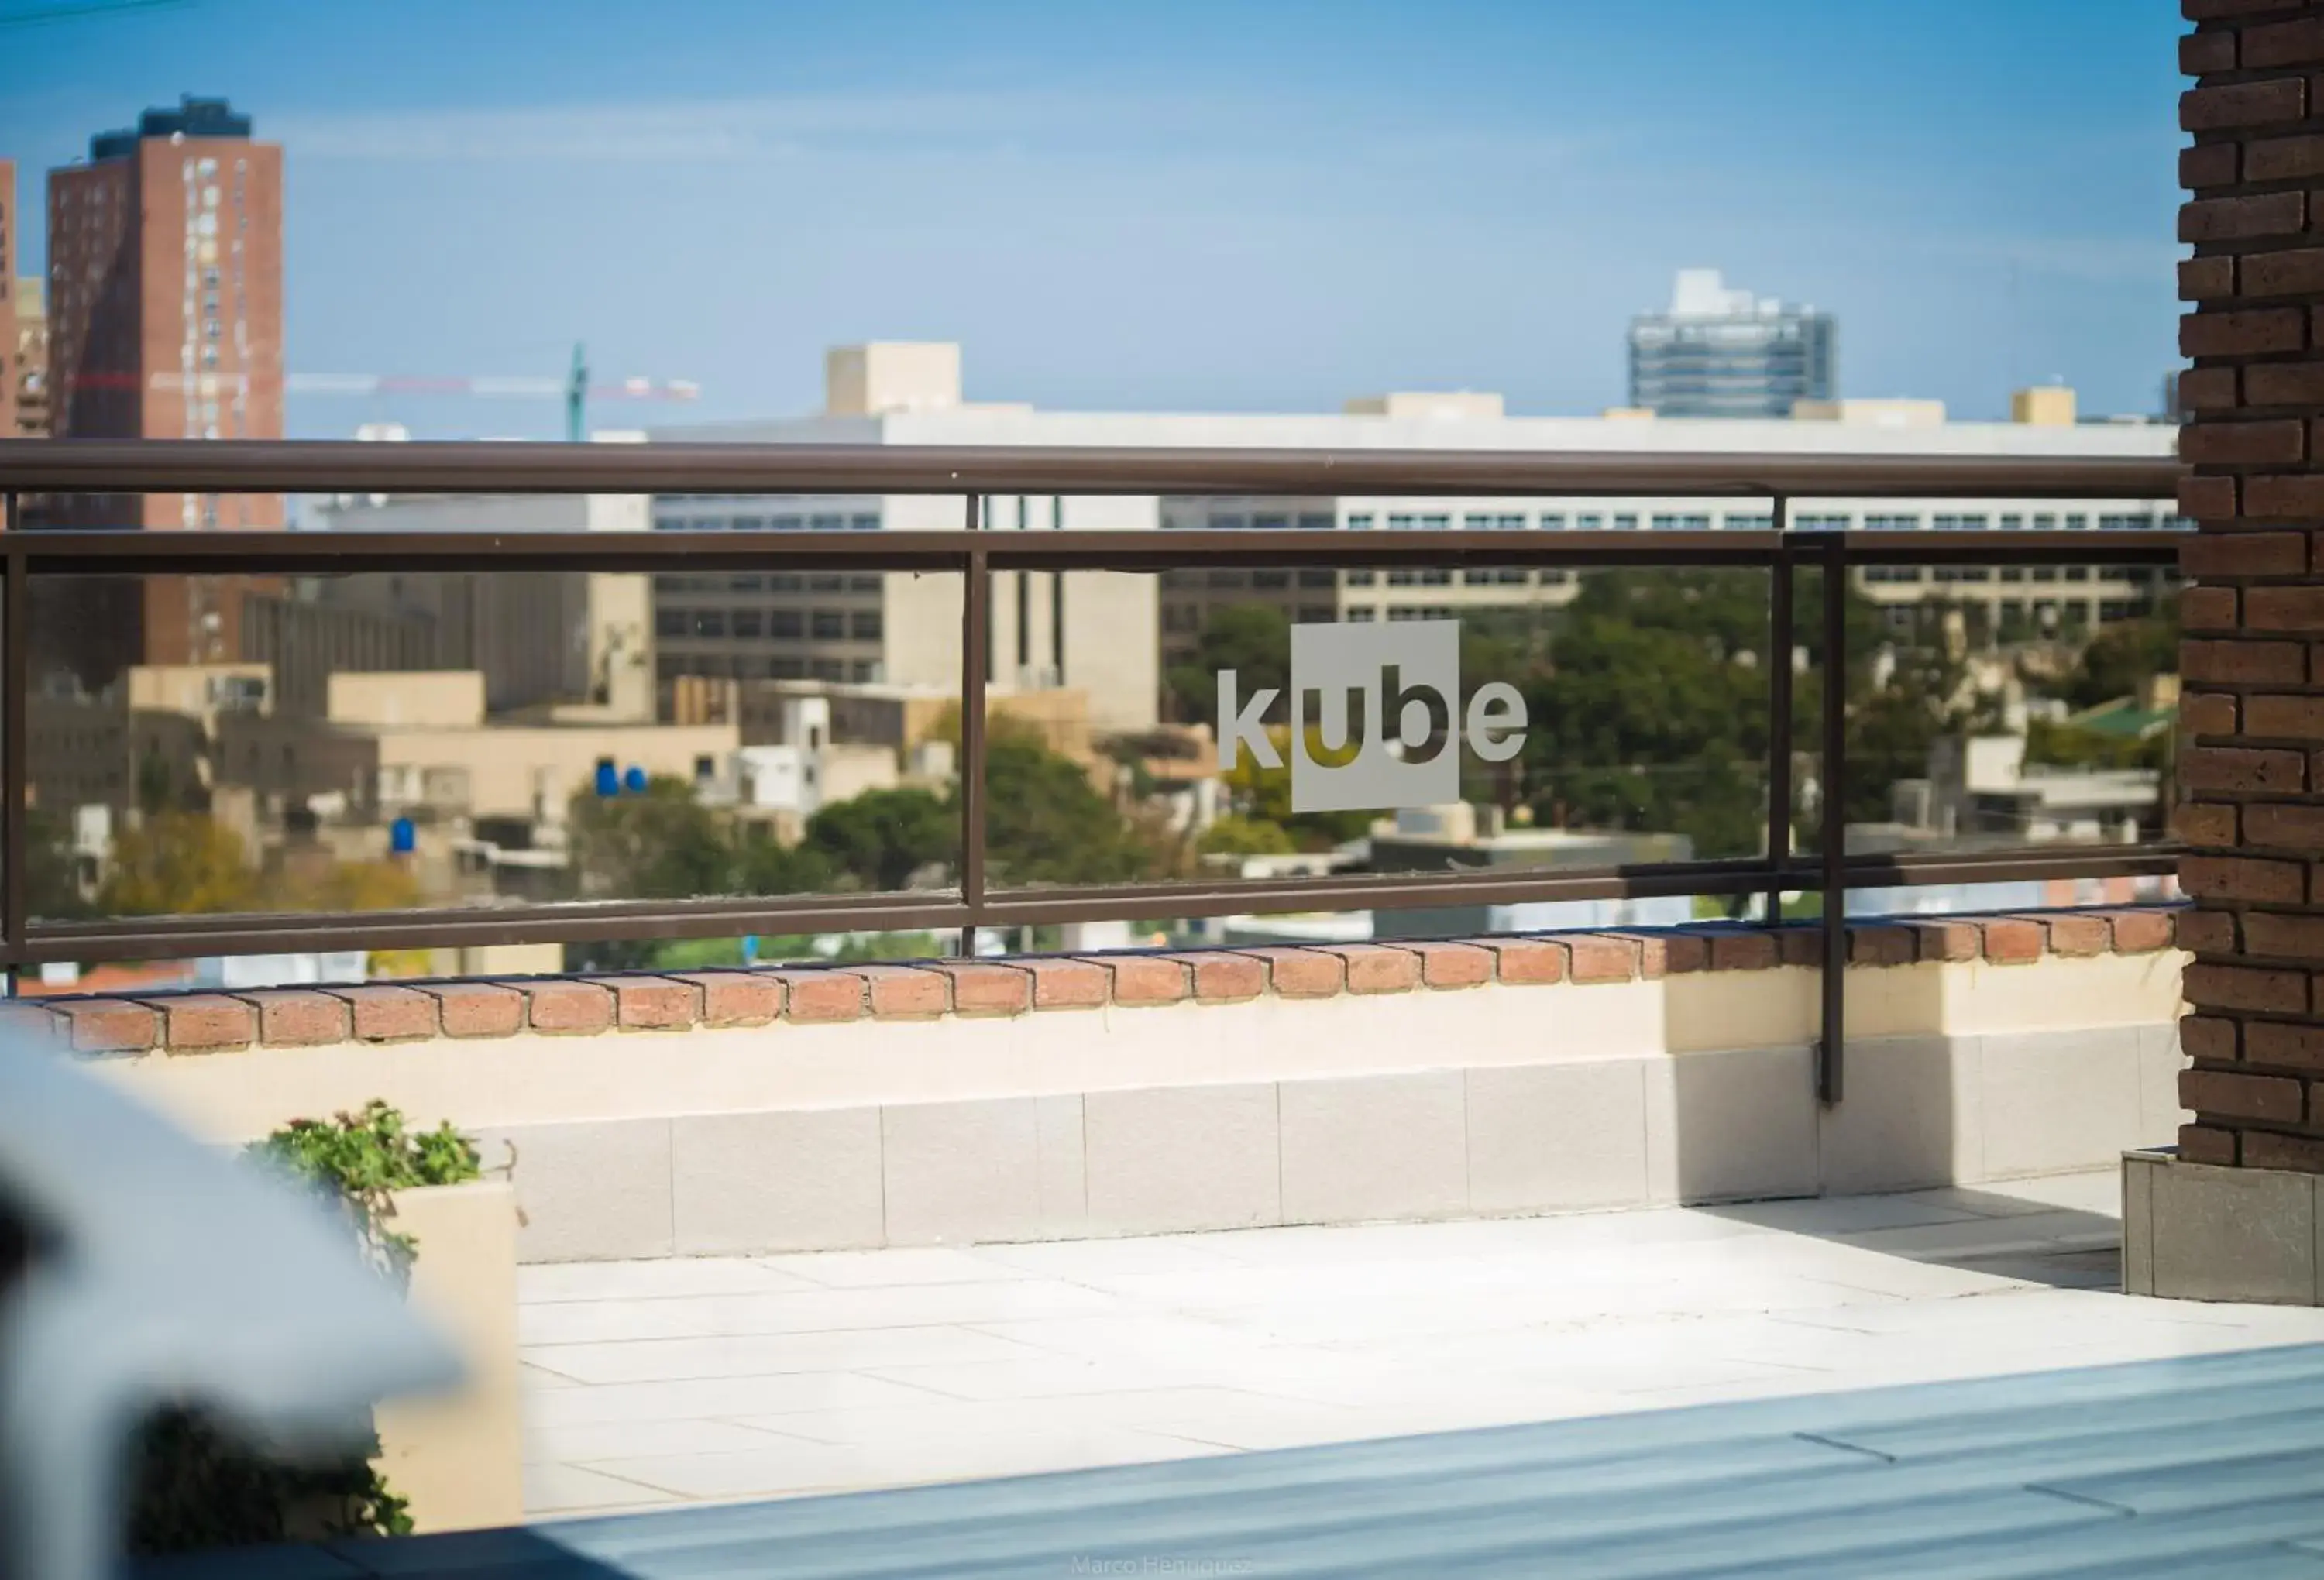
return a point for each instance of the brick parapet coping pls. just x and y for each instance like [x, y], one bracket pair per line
[219, 1022]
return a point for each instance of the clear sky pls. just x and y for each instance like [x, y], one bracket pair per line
[1164, 204]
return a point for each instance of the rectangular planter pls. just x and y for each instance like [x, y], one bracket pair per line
[459, 1457]
[2199, 1232]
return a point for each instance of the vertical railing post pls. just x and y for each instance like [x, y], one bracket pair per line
[1833, 1043]
[975, 656]
[15, 691]
[1780, 640]
[1057, 596]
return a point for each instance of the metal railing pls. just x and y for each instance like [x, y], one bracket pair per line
[30, 468]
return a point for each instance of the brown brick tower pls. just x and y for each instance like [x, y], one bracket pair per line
[9, 371]
[165, 322]
[2252, 771]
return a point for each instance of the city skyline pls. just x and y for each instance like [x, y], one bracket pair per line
[1242, 211]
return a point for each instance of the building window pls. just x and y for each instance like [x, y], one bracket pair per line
[1435, 523]
[709, 622]
[1315, 614]
[1477, 523]
[787, 523]
[1226, 523]
[1270, 523]
[863, 523]
[863, 584]
[785, 584]
[829, 625]
[1362, 616]
[863, 671]
[1315, 521]
[1360, 522]
[1553, 521]
[1401, 523]
[787, 625]
[1360, 578]
[864, 625]
[1313, 577]
[826, 584]
[748, 624]
[826, 523]
[748, 524]
[670, 622]
[1270, 580]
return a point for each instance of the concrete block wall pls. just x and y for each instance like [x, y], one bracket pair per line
[2252, 770]
[738, 1112]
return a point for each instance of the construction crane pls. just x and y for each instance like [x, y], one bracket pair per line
[574, 387]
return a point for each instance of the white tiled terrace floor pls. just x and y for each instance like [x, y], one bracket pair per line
[654, 1383]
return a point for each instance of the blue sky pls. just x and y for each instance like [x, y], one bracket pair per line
[1189, 204]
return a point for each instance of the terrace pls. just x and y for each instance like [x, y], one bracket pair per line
[813, 1226]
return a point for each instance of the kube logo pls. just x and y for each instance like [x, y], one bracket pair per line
[1375, 717]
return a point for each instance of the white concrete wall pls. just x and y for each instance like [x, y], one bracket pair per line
[1491, 1100]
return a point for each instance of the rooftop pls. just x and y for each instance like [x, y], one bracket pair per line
[1895, 1385]
[193, 117]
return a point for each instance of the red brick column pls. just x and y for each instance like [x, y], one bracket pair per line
[2252, 763]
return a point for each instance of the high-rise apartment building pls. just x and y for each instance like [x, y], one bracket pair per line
[165, 322]
[1722, 352]
[8, 348]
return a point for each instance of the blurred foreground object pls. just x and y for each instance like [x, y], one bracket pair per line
[139, 1270]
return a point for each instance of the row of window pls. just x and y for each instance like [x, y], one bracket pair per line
[2015, 615]
[823, 582]
[830, 522]
[767, 666]
[2146, 574]
[783, 625]
[1732, 521]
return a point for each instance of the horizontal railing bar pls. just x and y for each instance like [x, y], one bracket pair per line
[160, 938]
[312, 467]
[2154, 545]
[350, 552]
[179, 937]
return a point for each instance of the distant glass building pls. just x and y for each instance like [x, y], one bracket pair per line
[1721, 353]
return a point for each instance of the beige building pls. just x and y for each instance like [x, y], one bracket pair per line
[423, 744]
[30, 370]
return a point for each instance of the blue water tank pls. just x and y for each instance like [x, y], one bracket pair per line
[609, 780]
[403, 838]
[634, 781]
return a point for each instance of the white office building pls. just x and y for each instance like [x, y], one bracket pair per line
[1112, 634]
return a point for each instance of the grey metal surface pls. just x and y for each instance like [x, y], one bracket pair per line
[162, 1273]
[2211, 1466]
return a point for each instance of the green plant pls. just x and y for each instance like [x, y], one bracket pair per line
[198, 1487]
[358, 1159]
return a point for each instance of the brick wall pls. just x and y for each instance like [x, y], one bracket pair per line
[2252, 766]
